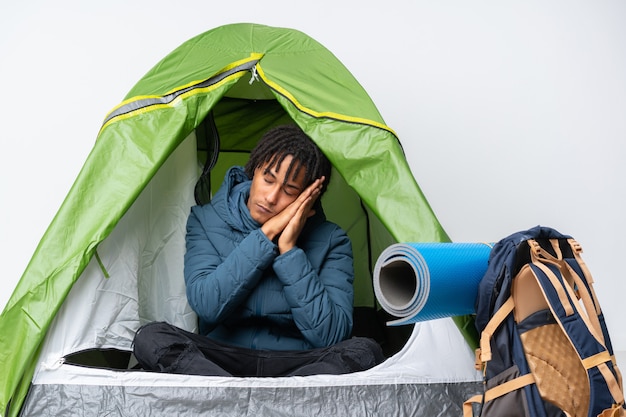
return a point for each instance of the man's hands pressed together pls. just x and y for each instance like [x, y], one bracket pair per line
[292, 219]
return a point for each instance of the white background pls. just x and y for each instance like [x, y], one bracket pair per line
[512, 113]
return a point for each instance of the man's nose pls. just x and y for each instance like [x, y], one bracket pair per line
[272, 195]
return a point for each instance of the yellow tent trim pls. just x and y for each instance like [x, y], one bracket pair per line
[314, 113]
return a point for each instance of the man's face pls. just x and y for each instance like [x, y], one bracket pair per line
[270, 193]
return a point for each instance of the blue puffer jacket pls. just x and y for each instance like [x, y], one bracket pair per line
[246, 294]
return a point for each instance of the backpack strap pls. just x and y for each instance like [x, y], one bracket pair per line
[540, 257]
[576, 251]
[545, 269]
[592, 303]
[483, 355]
[494, 323]
[497, 391]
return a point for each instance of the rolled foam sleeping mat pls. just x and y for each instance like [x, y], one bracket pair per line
[426, 281]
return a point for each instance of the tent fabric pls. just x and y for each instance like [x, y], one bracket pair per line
[405, 384]
[252, 66]
[357, 401]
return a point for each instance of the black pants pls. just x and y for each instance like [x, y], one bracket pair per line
[161, 347]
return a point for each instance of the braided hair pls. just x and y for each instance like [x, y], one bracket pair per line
[284, 140]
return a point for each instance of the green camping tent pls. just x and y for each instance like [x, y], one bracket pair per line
[226, 87]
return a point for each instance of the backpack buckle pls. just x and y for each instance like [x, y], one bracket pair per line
[576, 247]
[478, 362]
[534, 246]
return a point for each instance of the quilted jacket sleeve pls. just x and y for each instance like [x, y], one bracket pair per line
[320, 300]
[217, 283]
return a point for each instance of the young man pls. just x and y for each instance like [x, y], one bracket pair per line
[268, 276]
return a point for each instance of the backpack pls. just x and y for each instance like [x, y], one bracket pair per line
[544, 346]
